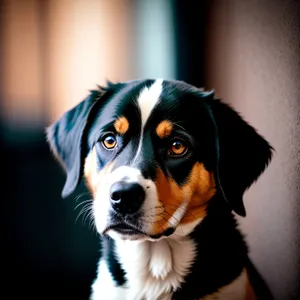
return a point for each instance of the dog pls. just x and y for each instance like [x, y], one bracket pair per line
[167, 165]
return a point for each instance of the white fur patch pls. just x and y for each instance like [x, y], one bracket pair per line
[154, 269]
[178, 214]
[102, 206]
[161, 261]
[104, 286]
[148, 99]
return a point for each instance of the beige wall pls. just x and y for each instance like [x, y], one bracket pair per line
[54, 52]
[87, 44]
[253, 62]
[21, 72]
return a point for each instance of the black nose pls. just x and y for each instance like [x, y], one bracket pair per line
[126, 197]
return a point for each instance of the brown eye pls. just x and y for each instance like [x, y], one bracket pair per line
[109, 141]
[177, 148]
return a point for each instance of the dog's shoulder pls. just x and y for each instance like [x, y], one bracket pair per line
[239, 289]
[249, 285]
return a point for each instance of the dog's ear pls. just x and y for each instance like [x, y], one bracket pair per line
[67, 141]
[242, 154]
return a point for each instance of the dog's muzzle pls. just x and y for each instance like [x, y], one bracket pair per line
[131, 206]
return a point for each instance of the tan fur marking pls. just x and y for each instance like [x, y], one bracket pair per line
[250, 294]
[201, 187]
[92, 176]
[235, 290]
[164, 129]
[121, 125]
[170, 196]
[198, 190]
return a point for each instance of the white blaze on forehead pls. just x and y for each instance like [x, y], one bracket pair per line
[148, 98]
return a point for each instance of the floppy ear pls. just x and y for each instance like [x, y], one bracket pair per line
[67, 142]
[242, 154]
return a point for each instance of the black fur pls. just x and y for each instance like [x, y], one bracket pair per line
[243, 153]
[114, 266]
[67, 138]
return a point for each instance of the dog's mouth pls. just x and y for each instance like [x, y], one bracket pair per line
[124, 229]
[130, 231]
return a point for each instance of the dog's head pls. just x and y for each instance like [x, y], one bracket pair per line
[154, 153]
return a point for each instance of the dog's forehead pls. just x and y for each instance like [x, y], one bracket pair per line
[148, 102]
[171, 100]
[142, 95]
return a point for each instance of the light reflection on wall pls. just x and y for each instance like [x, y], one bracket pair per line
[87, 44]
[154, 32]
[21, 72]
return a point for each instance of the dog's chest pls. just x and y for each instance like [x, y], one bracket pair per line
[154, 270]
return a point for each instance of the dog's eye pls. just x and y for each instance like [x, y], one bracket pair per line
[109, 141]
[177, 148]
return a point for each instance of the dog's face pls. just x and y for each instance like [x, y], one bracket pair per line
[146, 167]
[154, 153]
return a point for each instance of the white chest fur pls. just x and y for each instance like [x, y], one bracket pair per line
[153, 269]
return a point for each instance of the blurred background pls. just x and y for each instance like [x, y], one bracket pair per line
[53, 52]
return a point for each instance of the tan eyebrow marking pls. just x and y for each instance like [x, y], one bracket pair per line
[121, 125]
[164, 129]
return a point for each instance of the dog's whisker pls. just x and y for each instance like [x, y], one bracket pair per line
[177, 125]
[157, 222]
[91, 223]
[81, 195]
[84, 214]
[80, 213]
[86, 208]
[87, 216]
[83, 202]
[152, 216]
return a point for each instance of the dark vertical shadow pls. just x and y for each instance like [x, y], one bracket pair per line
[190, 34]
[45, 253]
